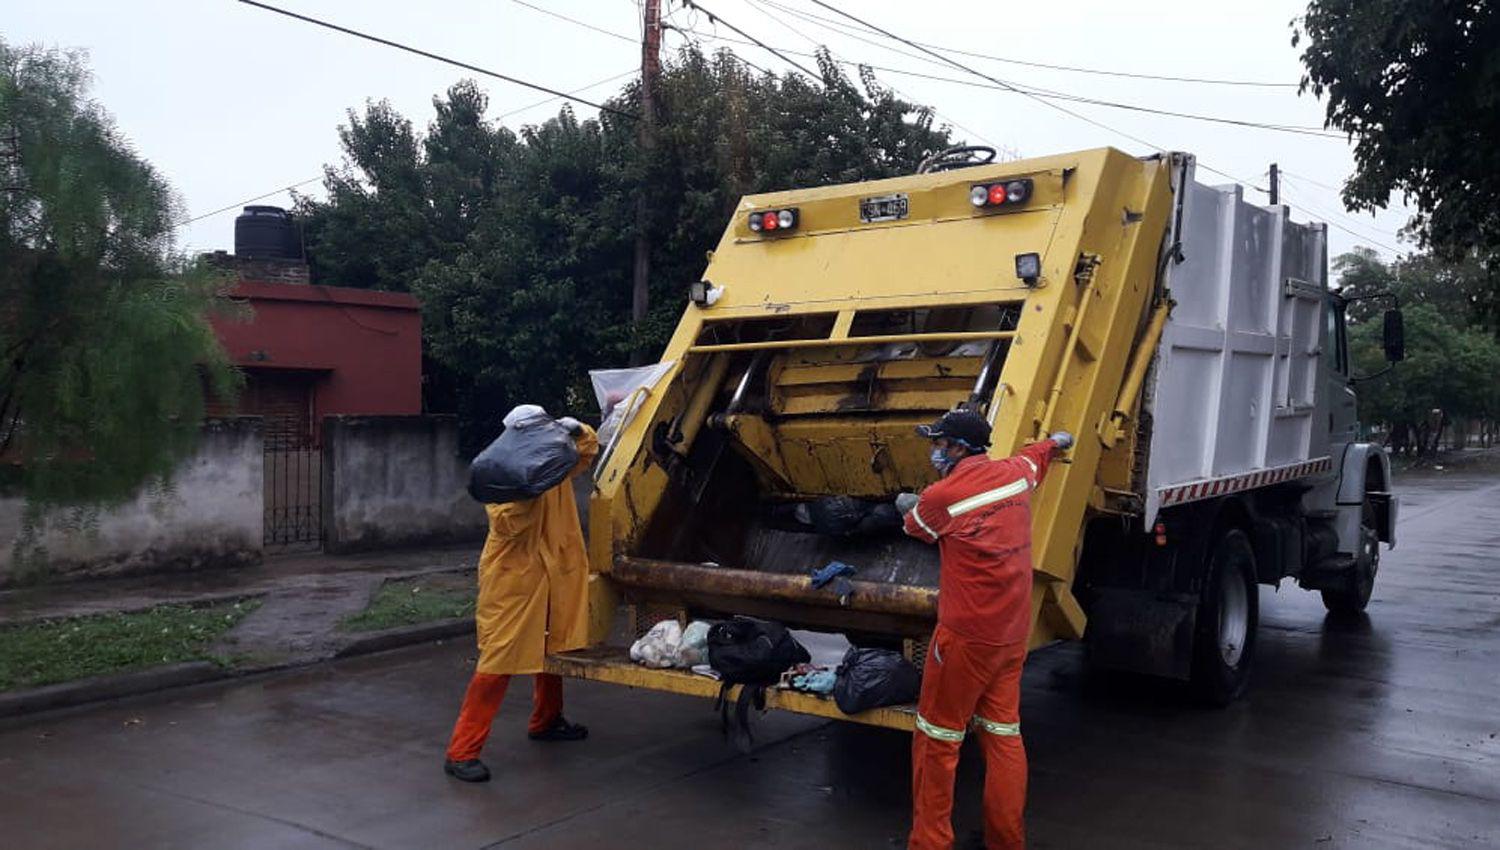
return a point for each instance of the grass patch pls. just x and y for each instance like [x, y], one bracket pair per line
[54, 651]
[411, 601]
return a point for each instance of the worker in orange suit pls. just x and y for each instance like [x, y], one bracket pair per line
[533, 600]
[979, 515]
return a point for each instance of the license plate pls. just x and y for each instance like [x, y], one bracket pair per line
[884, 208]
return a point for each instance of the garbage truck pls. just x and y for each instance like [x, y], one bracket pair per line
[1185, 334]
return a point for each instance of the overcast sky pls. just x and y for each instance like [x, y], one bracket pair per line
[231, 102]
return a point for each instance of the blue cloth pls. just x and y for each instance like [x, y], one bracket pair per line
[835, 569]
[816, 682]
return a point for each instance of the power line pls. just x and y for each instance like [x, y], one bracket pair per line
[912, 100]
[805, 15]
[1328, 217]
[1312, 181]
[631, 73]
[1062, 109]
[583, 24]
[427, 54]
[773, 51]
[1049, 94]
[235, 206]
[300, 183]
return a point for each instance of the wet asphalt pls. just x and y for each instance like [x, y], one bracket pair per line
[1383, 732]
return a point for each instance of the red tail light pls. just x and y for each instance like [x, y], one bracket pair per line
[768, 221]
[1006, 193]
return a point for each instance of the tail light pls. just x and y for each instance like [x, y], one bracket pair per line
[1005, 193]
[770, 221]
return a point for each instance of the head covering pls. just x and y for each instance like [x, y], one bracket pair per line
[523, 412]
[965, 426]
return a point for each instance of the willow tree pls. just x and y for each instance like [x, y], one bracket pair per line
[106, 353]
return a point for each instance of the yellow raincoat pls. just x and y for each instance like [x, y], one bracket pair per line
[533, 577]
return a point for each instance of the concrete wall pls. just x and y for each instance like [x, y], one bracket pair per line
[395, 481]
[208, 515]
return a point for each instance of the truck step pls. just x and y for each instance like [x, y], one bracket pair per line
[613, 665]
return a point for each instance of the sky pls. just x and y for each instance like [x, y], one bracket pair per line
[231, 102]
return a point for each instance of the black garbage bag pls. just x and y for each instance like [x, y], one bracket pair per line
[872, 678]
[836, 516]
[753, 654]
[529, 458]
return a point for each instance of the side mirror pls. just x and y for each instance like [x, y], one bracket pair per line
[1395, 336]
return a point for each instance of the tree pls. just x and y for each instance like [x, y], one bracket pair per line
[1452, 356]
[520, 245]
[1414, 83]
[1459, 290]
[107, 352]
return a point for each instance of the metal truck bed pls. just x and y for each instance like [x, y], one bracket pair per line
[1236, 395]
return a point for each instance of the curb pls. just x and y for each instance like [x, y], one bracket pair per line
[406, 636]
[113, 686]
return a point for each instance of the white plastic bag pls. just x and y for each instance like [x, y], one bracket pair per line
[613, 386]
[694, 648]
[658, 647]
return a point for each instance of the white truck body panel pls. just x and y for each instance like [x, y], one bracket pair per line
[1238, 395]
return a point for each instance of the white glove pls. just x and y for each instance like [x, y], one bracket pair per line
[1063, 439]
[573, 425]
[905, 502]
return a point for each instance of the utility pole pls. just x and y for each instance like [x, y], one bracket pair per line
[1275, 185]
[640, 300]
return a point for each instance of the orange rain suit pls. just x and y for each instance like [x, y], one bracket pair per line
[533, 601]
[980, 517]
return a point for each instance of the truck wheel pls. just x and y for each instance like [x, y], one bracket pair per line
[1228, 613]
[1353, 597]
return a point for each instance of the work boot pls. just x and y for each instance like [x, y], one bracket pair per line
[472, 770]
[561, 730]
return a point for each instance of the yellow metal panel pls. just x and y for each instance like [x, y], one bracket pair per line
[602, 665]
[1063, 367]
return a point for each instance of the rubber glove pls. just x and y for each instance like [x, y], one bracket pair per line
[905, 502]
[1063, 439]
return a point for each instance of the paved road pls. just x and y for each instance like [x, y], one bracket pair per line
[1381, 733]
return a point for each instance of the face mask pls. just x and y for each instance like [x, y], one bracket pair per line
[940, 460]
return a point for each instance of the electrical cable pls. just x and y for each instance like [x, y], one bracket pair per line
[1317, 212]
[1072, 114]
[1050, 94]
[805, 15]
[238, 205]
[632, 72]
[1306, 179]
[585, 25]
[818, 78]
[440, 58]
[809, 39]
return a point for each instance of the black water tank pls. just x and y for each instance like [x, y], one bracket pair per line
[266, 233]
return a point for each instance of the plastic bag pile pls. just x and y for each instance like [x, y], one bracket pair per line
[668, 644]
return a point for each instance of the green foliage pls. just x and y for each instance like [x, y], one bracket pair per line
[521, 245]
[1452, 356]
[407, 603]
[105, 349]
[1416, 83]
[1459, 290]
[53, 651]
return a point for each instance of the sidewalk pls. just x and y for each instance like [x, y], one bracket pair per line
[303, 598]
[278, 574]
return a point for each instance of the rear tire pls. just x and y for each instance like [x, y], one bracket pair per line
[1228, 614]
[1355, 595]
